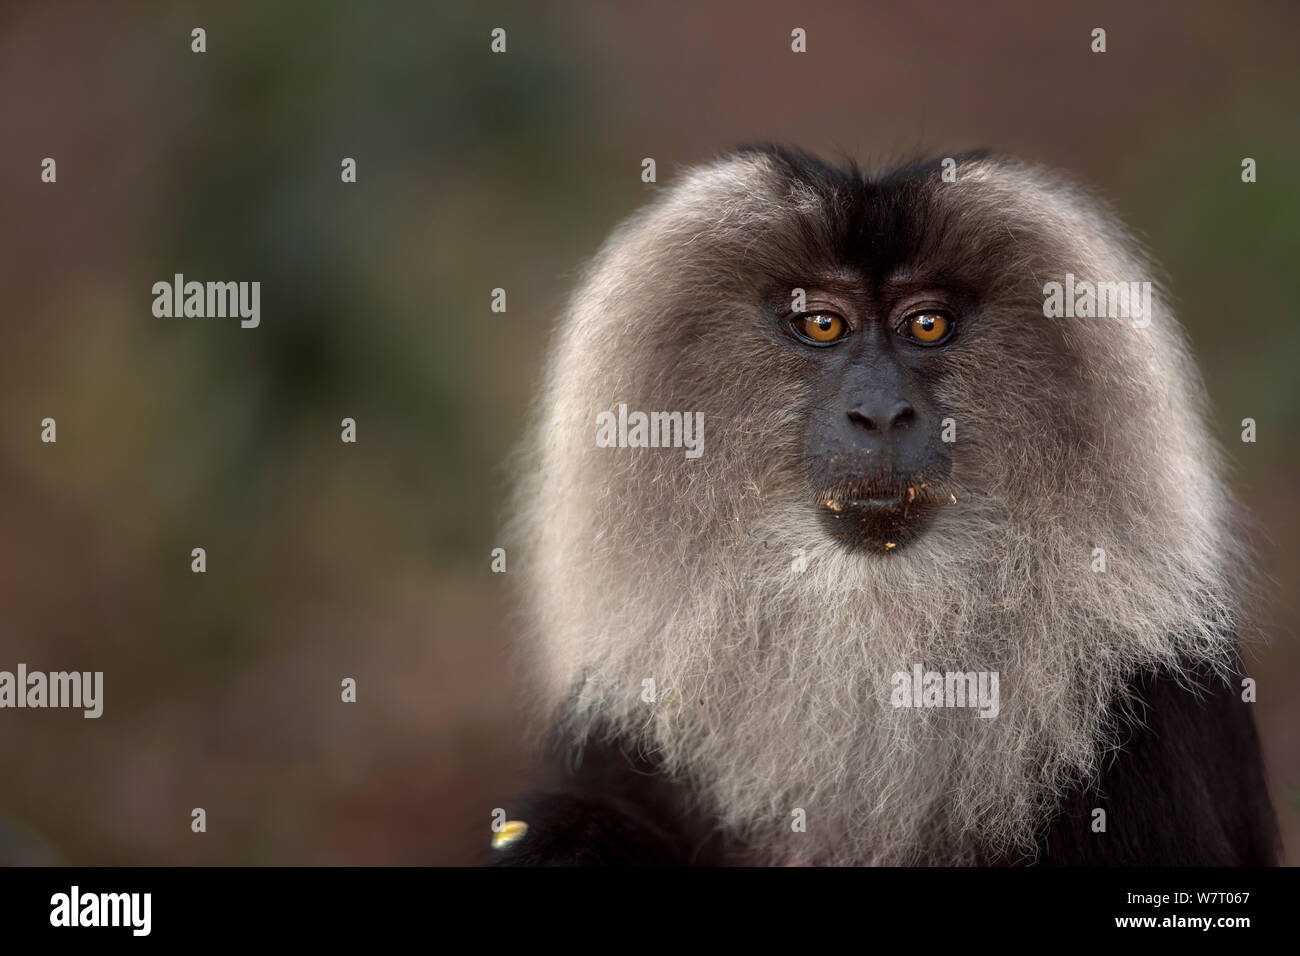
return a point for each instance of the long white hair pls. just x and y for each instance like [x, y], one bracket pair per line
[1080, 445]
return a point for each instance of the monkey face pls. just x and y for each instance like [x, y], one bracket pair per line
[870, 359]
[873, 451]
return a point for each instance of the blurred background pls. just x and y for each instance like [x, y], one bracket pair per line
[475, 171]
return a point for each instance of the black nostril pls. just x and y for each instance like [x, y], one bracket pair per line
[900, 417]
[862, 421]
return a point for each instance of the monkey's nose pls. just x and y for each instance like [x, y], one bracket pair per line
[883, 419]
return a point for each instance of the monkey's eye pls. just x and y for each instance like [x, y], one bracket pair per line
[927, 328]
[820, 327]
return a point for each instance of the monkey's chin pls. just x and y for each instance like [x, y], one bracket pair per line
[879, 525]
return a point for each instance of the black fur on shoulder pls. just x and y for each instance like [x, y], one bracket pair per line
[1185, 787]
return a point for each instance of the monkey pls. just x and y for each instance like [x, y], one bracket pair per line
[912, 463]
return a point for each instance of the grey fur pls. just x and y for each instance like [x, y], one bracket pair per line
[773, 686]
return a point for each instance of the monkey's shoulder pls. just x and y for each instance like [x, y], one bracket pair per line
[610, 807]
[1183, 784]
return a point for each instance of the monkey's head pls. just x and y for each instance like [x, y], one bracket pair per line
[803, 427]
[865, 353]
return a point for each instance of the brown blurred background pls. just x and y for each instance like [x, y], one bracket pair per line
[475, 171]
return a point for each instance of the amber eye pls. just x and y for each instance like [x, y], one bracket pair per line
[927, 327]
[823, 327]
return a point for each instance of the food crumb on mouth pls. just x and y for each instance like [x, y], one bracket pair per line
[833, 504]
[889, 544]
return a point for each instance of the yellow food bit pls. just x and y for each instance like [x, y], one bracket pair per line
[512, 831]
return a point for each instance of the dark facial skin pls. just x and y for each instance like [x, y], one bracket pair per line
[874, 455]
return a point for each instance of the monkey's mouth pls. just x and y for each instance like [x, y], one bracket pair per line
[877, 504]
[881, 517]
